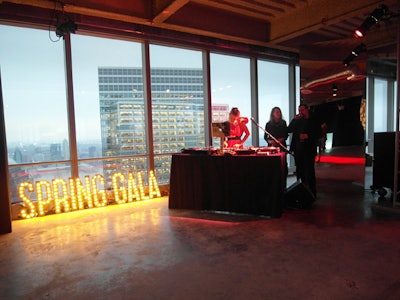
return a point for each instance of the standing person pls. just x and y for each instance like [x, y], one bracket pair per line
[237, 128]
[306, 132]
[277, 127]
[322, 140]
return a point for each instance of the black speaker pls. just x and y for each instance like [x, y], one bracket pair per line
[298, 195]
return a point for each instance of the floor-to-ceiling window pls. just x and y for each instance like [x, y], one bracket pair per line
[109, 123]
[273, 91]
[34, 92]
[380, 105]
[381, 108]
[109, 106]
[177, 103]
[297, 85]
[230, 87]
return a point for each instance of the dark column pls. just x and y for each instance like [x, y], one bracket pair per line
[5, 209]
[396, 202]
[147, 104]
[254, 101]
[207, 97]
[71, 107]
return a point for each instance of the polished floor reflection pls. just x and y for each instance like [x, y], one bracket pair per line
[337, 250]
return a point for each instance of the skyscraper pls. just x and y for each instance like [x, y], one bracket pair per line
[177, 112]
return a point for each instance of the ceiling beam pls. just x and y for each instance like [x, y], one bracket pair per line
[316, 14]
[220, 5]
[221, 38]
[260, 7]
[286, 5]
[297, 3]
[73, 9]
[163, 9]
[37, 3]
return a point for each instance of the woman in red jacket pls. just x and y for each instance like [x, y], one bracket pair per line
[237, 128]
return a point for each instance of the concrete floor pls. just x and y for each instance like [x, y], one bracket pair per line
[337, 250]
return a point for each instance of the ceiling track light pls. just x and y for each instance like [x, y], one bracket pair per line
[66, 28]
[334, 90]
[373, 19]
[62, 21]
[354, 53]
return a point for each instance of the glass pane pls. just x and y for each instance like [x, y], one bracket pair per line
[35, 173]
[33, 81]
[162, 168]
[380, 105]
[298, 96]
[368, 139]
[273, 90]
[107, 168]
[109, 101]
[46, 175]
[230, 86]
[177, 98]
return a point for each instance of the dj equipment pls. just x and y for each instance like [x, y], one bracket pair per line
[245, 151]
[231, 151]
[268, 150]
[298, 195]
[198, 151]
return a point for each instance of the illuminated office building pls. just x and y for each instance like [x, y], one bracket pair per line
[177, 112]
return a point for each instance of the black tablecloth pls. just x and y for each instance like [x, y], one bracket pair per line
[243, 184]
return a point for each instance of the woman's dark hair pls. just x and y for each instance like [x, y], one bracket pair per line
[234, 111]
[271, 116]
[305, 105]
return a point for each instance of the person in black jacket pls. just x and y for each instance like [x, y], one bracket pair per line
[277, 127]
[306, 132]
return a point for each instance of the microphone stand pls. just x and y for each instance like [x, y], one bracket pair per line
[271, 136]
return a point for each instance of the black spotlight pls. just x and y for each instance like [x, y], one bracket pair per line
[334, 90]
[65, 28]
[370, 21]
[356, 52]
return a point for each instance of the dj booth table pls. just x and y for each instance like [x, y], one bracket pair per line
[242, 184]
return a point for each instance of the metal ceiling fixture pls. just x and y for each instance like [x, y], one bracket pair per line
[373, 19]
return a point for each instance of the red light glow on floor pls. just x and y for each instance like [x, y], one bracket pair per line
[204, 221]
[342, 160]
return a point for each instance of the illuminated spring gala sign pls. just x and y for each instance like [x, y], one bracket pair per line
[61, 196]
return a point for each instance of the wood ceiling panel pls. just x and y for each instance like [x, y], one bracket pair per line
[319, 30]
[223, 6]
[255, 8]
[160, 5]
[340, 32]
[252, 5]
[219, 21]
[164, 9]
[328, 34]
[137, 8]
[343, 27]
[297, 3]
[285, 5]
[317, 14]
